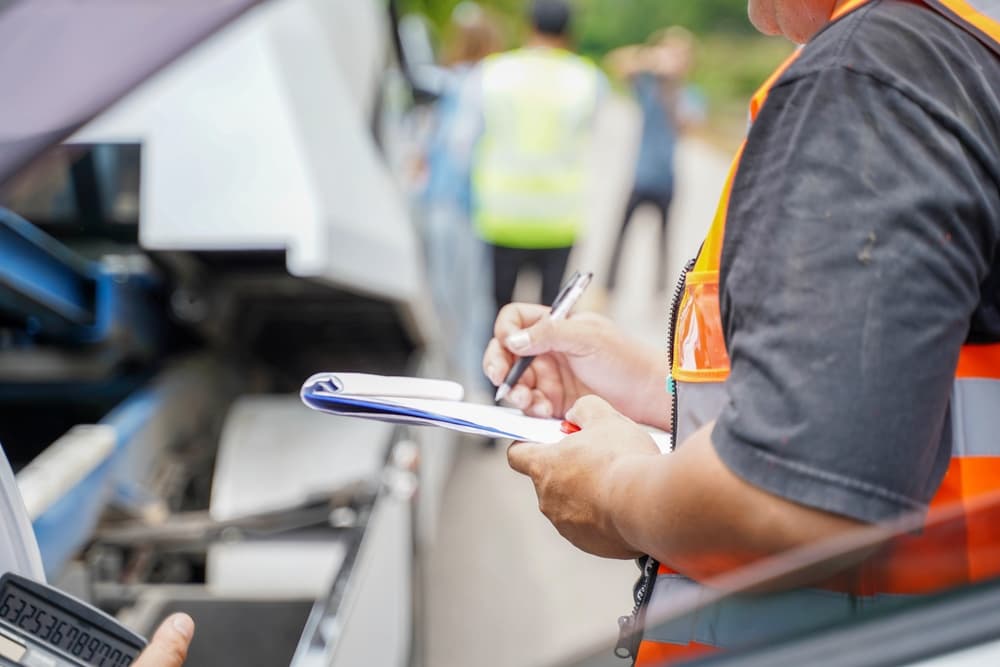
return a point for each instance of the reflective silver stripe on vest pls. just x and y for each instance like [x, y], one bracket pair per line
[749, 619]
[975, 413]
[975, 417]
[698, 403]
[734, 622]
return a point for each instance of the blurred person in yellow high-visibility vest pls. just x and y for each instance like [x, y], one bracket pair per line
[537, 107]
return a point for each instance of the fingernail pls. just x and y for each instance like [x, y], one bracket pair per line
[518, 341]
[520, 397]
[184, 625]
[545, 411]
[490, 372]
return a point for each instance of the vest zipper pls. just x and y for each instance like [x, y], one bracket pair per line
[675, 306]
[630, 628]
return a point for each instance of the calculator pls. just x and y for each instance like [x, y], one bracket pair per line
[41, 626]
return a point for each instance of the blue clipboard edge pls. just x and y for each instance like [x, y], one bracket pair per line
[367, 409]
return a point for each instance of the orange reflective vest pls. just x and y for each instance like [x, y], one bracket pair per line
[916, 564]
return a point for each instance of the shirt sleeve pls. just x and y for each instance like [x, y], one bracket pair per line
[860, 228]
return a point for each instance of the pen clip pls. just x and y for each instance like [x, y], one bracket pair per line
[564, 292]
[570, 295]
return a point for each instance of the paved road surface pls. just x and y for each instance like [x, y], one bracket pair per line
[504, 589]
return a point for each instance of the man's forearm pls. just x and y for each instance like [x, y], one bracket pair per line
[690, 511]
[646, 400]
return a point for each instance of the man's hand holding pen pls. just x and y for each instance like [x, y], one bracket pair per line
[561, 308]
[551, 384]
[575, 357]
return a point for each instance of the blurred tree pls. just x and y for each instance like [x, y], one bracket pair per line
[439, 11]
[733, 59]
[606, 24]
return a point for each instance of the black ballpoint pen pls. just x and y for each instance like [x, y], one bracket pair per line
[561, 307]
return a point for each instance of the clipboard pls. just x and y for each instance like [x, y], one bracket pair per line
[426, 402]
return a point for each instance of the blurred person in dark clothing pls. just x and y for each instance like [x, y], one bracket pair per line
[657, 72]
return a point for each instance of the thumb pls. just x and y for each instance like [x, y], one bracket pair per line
[548, 335]
[523, 457]
[169, 645]
[589, 410]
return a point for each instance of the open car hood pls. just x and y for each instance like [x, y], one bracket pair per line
[64, 61]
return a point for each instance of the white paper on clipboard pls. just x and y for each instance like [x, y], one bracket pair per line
[430, 403]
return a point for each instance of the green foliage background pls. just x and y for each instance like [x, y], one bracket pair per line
[733, 59]
[606, 24]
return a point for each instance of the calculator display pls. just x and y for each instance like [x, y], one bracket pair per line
[61, 628]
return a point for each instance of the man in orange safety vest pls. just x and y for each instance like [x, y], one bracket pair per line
[834, 354]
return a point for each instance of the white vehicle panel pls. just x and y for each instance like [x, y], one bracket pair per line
[257, 140]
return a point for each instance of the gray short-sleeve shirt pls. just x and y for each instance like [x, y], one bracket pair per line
[860, 254]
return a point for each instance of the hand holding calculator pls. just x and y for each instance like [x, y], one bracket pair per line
[44, 627]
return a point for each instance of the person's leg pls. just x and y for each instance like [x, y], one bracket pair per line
[552, 263]
[663, 206]
[506, 264]
[476, 304]
[633, 203]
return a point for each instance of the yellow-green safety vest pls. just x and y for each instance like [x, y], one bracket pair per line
[531, 162]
